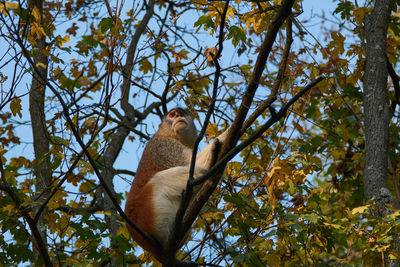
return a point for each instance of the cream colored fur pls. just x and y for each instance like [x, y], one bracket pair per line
[168, 186]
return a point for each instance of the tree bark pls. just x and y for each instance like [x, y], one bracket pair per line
[377, 112]
[115, 145]
[376, 105]
[38, 120]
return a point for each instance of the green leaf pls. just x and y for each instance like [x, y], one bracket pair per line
[206, 21]
[59, 140]
[344, 9]
[106, 24]
[237, 34]
[145, 66]
[237, 199]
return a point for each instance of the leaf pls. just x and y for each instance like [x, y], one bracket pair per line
[145, 66]
[359, 14]
[211, 131]
[237, 199]
[206, 21]
[237, 34]
[9, 208]
[334, 225]
[36, 14]
[6, 6]
[106, 24]
[59, 140]
[360, 209]
[72, 30]
[38, 30]
[41, 65]
[123, 231]
[16, 107]
[60, 41]
[344, 9]
[57, 200]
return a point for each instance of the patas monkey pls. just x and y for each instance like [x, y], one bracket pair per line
[162, 175]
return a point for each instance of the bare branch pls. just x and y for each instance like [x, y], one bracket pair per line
[396, 85]
[277, 83]
[177, 234]
[234, 133]
[259, 67]
[256, 134]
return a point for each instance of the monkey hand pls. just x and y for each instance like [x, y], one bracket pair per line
[215, 149]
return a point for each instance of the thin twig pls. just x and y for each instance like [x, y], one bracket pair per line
[256, 134]
[277, 83]
[233, 134]
[177, 234]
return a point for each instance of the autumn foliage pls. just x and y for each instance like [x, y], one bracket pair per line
[84, 84]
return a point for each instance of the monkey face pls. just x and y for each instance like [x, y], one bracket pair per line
[182, 125]
[179, 119]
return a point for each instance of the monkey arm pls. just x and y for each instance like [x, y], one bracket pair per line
[207, 157]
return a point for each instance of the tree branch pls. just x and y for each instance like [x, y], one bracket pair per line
[86, 152]
[234, 133]
[265, 49]
[176, 235]
[277, 83]
[37, 237]
[396, 85]
[256, 134]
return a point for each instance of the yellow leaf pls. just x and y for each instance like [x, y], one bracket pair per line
[9, 208]
[36, 13]
[41, 65]
[123, 231]
[85, 187]
[63, 222]
[5, 7]
[299, 177]
[52, 219]
[359, 209]
[338, 154]
[211, 131]
[15, 107]
[359, 14]
[230, 12]
[37, 29]
[62, 41]
[57, 200]
[336, 226]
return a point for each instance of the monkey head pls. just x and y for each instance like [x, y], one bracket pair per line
[178, 124]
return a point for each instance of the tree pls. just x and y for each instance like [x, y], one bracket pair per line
[97, 76]
[376, 107]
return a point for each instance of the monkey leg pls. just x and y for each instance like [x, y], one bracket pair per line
[168, 186]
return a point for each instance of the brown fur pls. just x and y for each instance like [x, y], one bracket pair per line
[142, 201]
[167, 149]
[162, 175]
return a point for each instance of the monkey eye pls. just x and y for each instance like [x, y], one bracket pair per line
[177, 112]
